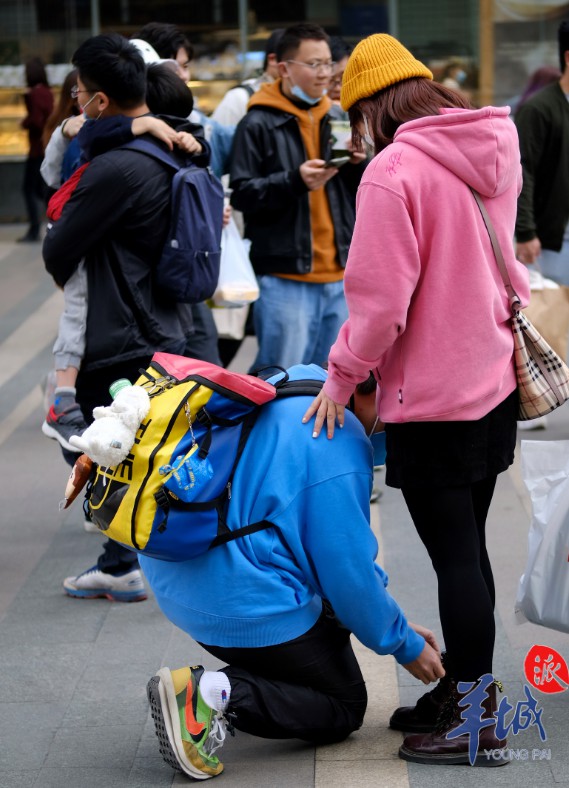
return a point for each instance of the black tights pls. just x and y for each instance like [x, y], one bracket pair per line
[451, 524]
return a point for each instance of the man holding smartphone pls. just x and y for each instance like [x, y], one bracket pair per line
[298, 212]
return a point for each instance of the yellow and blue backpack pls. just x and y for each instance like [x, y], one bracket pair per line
[168, 499]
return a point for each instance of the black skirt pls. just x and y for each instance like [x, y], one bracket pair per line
[452, 453]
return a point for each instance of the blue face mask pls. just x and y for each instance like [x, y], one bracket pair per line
[300, 94]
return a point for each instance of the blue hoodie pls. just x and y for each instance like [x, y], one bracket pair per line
[267, 588]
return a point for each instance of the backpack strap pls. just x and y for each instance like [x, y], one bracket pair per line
[152, 150]
[284, 388]
[249, 88]
[229, 536]
[298, 388]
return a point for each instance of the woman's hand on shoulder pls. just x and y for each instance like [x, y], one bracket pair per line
[326, 410]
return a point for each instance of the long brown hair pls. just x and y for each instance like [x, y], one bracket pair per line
[35, 72]
[65, 107]
[407, 100]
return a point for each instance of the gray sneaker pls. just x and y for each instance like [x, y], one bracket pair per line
[61, 426]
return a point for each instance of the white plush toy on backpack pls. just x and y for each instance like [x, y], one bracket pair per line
[109, 439]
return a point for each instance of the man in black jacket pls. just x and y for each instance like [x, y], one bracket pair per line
[117, 219]
[543, 205]
[298, 213]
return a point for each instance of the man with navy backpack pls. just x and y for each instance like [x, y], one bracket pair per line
[117, 219]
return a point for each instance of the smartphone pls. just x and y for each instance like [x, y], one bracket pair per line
[339, 162]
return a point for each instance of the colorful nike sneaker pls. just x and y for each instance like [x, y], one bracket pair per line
[189, 731]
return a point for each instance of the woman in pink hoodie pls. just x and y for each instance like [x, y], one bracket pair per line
[429, 315]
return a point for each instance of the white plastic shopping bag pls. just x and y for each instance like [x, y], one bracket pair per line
[543, 593]
[237, 285]
[230, 323]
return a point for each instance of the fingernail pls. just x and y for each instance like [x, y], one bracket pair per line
[303, 420]
[314, 434]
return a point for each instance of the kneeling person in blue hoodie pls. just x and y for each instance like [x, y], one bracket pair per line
[278, 606]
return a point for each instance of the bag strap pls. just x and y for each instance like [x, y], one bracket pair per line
[152, 150]
[249, 88]
[299, 388]
[229, 536]
[515, 302]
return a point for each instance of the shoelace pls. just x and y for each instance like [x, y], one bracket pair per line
[217, 734]
[448, 713]
[450, 710]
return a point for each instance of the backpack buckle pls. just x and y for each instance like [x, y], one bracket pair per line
[203, 417]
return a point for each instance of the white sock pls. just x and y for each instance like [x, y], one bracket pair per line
[215, 689]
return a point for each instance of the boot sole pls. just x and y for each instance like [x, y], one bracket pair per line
[452, 759]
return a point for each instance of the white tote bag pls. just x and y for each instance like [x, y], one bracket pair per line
[237, 285]
[543, 593]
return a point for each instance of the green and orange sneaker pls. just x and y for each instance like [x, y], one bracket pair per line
[189, 731]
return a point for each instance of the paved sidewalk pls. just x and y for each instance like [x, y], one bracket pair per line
[73, 709]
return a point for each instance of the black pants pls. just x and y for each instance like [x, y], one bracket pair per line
[451, 523]
[33, 189]
[202, 343]
[310, 688]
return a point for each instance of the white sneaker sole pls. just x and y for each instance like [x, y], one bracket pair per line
[113, 595]
[51, 432]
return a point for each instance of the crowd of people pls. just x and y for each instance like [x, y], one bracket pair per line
[377, 279]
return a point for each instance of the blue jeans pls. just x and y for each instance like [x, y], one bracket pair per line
[555, 265]
[297, 322]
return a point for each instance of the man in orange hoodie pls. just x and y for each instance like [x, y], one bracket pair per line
[299, 213]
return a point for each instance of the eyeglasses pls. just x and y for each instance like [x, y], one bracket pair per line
[319, 66]
[75, 92]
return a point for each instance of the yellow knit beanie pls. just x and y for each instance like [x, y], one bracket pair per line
[377, 62]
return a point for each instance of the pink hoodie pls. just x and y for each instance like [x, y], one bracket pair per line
[428, 309]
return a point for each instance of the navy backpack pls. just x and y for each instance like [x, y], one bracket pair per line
[188, 270]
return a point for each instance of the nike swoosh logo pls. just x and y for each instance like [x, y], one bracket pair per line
[193, 727]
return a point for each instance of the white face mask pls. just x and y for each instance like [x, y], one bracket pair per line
[84, 107]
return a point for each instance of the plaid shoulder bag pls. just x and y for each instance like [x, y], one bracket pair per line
[543, 376]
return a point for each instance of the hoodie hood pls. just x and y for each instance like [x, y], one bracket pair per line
[479, 146]
[270, 95]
